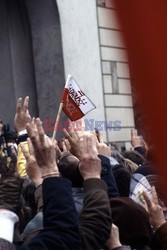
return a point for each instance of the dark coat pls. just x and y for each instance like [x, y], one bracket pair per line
[160, 237]
[108, 176]
[95, 218]
[60, 218]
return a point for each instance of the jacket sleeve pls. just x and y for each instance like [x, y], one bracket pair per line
[108, 177]
[95, 218]
[160, 236]
[21, 161]
[141, 151]
[39, 199]
[60, 219]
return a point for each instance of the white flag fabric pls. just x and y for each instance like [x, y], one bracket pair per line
[75, 103]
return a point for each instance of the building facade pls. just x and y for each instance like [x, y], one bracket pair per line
[95, 54]
[42, 41]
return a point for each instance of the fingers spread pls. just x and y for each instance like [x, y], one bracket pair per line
[148, 201]
[83, 146]
[100, 137]
[33, 134]
[30, 146]
[74, 135]
[19, 105]
[40, 130]
[133, 132]
[67, 135]
[67, 144]
[64, 147]
[48, 142]
[155, 197]
[91, 144]
[30, 130]
[26, 103]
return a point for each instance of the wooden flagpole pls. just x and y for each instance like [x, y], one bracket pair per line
[57, 120]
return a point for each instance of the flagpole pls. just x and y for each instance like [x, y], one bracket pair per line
[57, 120]
[58, 116]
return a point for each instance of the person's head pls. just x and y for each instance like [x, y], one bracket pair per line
[10, 185]
[130, 166]
[8, 165]
[134, 156]
[132, 221]
[69, 168]
[116, 154]
[122, 177]
[28, 193]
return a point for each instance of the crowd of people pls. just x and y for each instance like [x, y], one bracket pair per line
[78, 192]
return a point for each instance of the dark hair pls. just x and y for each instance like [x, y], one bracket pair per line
[122, 177]
[8, 165]
[29, 206]
[134, 156]
[70, 170]
[28, 193]
[116, 154]
[132, 221]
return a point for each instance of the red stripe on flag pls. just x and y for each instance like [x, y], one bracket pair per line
[70, 108]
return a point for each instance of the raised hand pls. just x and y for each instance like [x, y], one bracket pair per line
[90, 164]
[136, 140]
[114, 241]
[155, 212]
[61, 149]
[102, 147]
[73, 138]
[22, 116]
[43, 148]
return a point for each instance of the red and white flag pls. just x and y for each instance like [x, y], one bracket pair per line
[75, 103]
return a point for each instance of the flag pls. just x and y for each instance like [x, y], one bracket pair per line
[75, 103]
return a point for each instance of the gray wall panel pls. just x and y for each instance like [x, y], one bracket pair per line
[31, 59]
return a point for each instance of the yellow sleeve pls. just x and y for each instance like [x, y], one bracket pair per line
[21, 161]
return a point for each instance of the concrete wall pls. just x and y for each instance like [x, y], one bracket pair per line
[80, 40]
[95, 54]
[31, 45]
[115, 71]
[31, 57]
[16, 59]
